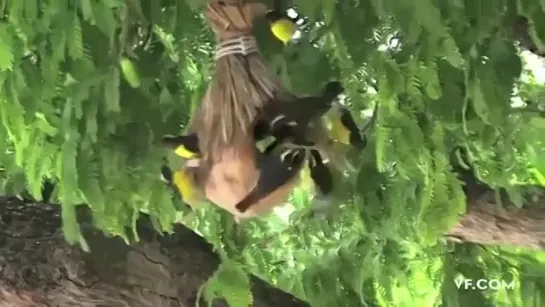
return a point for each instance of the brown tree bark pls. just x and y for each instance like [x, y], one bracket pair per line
[37, 267]
[492, 223]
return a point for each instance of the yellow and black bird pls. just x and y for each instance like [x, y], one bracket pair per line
[307, 113]
[282, 26]
[183, 184]
[183, 180]
[342, 126]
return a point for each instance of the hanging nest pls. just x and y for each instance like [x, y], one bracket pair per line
[241, 85]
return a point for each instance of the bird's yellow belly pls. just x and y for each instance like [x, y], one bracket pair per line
[283, 30]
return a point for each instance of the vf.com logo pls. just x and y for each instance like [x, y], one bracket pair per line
[483, 284]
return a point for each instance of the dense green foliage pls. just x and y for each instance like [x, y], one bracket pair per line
[89, 86]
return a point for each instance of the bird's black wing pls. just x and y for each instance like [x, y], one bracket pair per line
[320, 173]
[275, 172]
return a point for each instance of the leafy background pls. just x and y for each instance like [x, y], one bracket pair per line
[89, 86]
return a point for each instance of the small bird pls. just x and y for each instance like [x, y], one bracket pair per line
[307, 113]
[282, 26]
[342, 126]
[183, 183]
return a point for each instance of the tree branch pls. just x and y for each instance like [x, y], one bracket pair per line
[487, 222]
[491, 223]
[37, 267]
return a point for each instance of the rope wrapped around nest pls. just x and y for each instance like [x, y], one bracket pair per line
[241, 84]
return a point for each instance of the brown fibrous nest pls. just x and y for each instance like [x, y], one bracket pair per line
[240, 85]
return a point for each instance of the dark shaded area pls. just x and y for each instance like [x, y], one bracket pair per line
[521, 34]
[37, 267]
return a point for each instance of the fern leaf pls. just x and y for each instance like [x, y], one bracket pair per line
[75, 39]
[6, 52]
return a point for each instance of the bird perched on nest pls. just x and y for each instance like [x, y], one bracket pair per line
[302, 116]
[275, 170]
